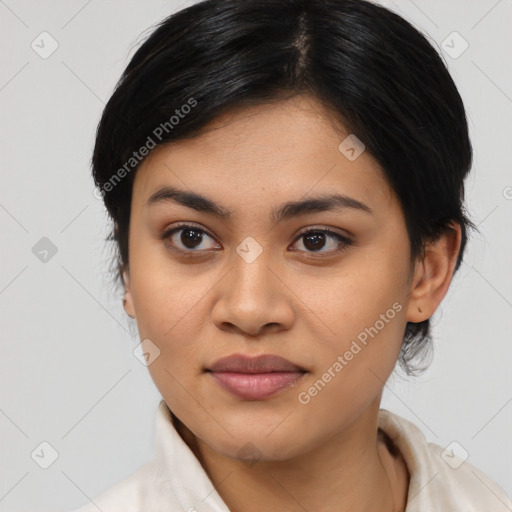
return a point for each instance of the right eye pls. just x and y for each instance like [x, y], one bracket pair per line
[187, 238]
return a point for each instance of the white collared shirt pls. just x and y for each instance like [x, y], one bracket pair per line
[175, 481]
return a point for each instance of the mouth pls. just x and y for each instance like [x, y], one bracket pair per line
[255, 378]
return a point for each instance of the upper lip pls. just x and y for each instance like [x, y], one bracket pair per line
[266, 363]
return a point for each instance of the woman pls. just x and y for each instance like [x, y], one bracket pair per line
[286, 184]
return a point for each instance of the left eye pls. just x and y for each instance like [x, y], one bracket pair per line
[314, 239]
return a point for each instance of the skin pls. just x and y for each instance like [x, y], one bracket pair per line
[323, 455]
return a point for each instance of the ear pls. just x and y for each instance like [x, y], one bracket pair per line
[128, 299]
[433, 275]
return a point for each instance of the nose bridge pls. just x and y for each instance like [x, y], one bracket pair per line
[251, 272]
[252, 297]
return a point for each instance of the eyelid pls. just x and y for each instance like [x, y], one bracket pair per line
[302, 231]
[327, 229]
[344, 240]
[167, 232]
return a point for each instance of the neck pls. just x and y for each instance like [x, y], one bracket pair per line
[353, 470]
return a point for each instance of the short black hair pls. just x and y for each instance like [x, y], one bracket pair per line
[382, 78]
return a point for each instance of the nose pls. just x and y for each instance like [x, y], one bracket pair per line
[253, 298]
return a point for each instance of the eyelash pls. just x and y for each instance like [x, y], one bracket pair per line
[344, 242]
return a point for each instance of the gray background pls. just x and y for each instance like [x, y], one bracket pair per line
[68, 374]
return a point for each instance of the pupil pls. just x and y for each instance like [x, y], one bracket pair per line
[317, 238]
[190, 236]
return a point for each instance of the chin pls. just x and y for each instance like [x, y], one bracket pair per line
[251, 444]
[251, 450]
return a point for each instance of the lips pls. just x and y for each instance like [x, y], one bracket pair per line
[259, 364]
[255, 378]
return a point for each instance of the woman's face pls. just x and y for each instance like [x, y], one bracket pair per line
[252, 284]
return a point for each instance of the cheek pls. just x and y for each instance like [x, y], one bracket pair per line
[362, 312]
[164, 292]
[363, 293]
[170, 312]
[353, 364]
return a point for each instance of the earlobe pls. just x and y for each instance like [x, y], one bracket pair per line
[433, 275]
[128, 299]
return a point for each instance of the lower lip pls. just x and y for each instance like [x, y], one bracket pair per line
[256, 386]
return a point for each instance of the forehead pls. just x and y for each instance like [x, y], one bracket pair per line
[267, 153]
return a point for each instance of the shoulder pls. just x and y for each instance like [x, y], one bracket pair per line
[439, 478]
[173, 480]
[144, 489]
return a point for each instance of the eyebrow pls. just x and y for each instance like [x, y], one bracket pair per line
[200, 203]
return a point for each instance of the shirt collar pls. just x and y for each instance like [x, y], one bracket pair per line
[181, 469]
[413, 446]
[184, 474]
